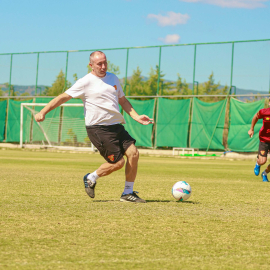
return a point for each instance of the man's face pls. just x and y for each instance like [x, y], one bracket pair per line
[99, 65]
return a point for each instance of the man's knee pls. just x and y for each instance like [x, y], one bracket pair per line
[132, 152]
[135, 154]
[119, 164]
[261, 160]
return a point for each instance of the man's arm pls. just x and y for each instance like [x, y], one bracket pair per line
[253, 123]
[39, 117]
[127, 107]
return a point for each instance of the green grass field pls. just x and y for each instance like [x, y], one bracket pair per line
[48, 221]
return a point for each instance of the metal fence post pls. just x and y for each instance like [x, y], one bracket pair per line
[190, 121]
[126, 72]
[197, 86]
[159, 70]
[37, 74]
[66, 73]
[6, 122]
[225, 100]
[194, 68]
[232, 68]
[155, 117]
[10, 73]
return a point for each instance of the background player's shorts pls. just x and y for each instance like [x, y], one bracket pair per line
[111, 141]
[263, 149]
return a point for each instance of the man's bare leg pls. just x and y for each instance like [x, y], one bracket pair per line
[104, 169]
[132, 155]
[108, 168]
[261, 161]
[129, 195]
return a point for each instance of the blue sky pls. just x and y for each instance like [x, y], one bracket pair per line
[34, 25]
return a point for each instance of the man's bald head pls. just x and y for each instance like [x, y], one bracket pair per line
[95, 54]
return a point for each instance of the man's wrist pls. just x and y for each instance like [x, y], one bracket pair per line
[135, 117]
[43, 113]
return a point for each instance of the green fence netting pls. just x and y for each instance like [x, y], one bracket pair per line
[3, 109]
[141, 133]
[13, 122]
[50, 126]
[73, 125]
[241, 115]
[172, 122]
[204, 121]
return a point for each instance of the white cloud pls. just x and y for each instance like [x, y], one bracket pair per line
[172, 18]
[232, 3]
[171, 39]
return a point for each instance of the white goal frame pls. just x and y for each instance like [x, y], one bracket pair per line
[92, 148]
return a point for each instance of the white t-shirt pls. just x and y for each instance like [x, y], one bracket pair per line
[100, 98]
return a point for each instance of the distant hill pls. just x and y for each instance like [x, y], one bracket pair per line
[245, 91]
[30, 89]
[20, 89]
[240, 91]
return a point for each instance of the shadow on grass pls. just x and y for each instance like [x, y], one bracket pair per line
[158, 201]
[151, 201]
[188, 202]
[105, 201]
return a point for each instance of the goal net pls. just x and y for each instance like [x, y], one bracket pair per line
[63, 127]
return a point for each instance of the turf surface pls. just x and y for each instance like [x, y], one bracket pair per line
[48, 221]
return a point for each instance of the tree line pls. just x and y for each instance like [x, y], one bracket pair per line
[138, 85]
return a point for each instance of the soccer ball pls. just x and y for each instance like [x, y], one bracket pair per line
[181, 191]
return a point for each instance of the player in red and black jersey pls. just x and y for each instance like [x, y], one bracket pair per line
[264, 136]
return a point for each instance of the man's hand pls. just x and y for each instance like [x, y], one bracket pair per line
[253, 123]
[127, 107]
[251, 133]
[144, 120]
[39, 117]
[56, 102]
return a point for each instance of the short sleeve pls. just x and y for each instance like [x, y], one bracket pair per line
[77, 89]
[120, 90]
[260, 113]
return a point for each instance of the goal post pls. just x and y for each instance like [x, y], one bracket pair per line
[63, 127]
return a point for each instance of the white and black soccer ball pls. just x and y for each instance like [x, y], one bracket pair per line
[181, 191]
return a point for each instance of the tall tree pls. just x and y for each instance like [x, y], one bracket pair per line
[179, 88]
[182, 86]
[75, 76]
[113, 68]
[135, 84]
[1, 91]
[58, 86]
[211, 88]
[152, 82]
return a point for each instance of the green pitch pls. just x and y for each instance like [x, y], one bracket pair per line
[48, 221]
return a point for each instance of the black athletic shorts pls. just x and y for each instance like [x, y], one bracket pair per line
[111, 141]
[263, 149]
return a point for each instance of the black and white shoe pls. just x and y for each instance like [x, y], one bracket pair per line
[132, 197]
[89, 186]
